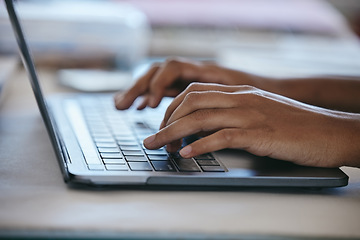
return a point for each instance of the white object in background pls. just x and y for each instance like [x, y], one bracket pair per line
[296, 57]
[80, 28]
[88, 80]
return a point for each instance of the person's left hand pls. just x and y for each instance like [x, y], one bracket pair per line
[254, 120]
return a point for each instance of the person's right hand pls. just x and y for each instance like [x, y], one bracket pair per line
[172, 76]
[260, 122]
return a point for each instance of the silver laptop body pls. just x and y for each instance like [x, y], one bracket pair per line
[80, 132]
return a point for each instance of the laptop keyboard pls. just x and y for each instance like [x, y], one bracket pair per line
[118, 136]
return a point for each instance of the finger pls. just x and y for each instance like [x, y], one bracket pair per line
[225, 138]
[198, 87]
[143, 103]
[203, 100]
[199, 121]
[179, 99]
[169, 72]
[126, 99]
[172, 92]
[174, 146]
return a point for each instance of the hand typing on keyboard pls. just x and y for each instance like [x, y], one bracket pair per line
[264, 116]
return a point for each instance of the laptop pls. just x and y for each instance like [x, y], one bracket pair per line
[97, 145]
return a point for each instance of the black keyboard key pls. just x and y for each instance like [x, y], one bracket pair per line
[140, 166]
[117, 167]
[165, 166]
[186, 165]
[158, 157]
[212, 169]
[204, 157]
[136, 158]
[208, 163]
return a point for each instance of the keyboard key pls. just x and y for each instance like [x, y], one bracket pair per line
[136, 159]
[155, 152]
[99, 144]
[127, 142]
[133, 153]
[140, 166]
[186, 165]
[140, 125]
[114, 161]
[109, 150]
[111, 155]
[208, 163]
[125, 135]
[204, 156]
[212, 169]
[116, 167]
[104, 140]
[95, 132]
[142, 136]
[101, 135]
[158, 157]
[165, 166]
[125, 138]
[130, 147]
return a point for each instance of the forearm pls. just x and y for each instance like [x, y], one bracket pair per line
[329, 92]
[339, 93]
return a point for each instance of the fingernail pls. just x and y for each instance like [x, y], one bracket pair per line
[186, 151]
[149, 140]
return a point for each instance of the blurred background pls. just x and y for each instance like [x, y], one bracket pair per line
[96, 45]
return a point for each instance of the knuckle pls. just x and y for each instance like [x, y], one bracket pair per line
[154, 86]
[251, 97]
[248, 88]
[195, 86]
[200, 116]
[155, 66]
[173, 61]
[191, 98]
[228, 137]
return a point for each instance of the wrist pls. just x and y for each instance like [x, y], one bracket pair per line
[236, 77]
[349, 139]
